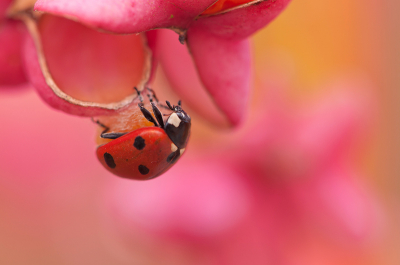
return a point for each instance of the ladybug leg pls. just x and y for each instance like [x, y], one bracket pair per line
[163, 106]
[139, 95]
[158, 115]
[169, 108]
[106, 128]
[174, 156]
[169, 105]
[147, 114]
[114, 135]
[104, 133]
[153, 95]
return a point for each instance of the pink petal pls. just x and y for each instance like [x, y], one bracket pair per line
[49, 180]
[181, 72]
[82, 71]
[241, 23]
[336, 123]
[3, 8]
[128, 16]
[225, 69]
[340, 204]
[11, 69]
[48, 155]
[296, 142]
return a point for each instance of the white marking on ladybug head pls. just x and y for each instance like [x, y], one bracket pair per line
[174, 120]
[173, 147]
[182, 150]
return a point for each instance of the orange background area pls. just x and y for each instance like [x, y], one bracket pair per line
[316, 42]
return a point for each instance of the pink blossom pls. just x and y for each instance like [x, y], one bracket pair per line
[217, 42]
[11, 36]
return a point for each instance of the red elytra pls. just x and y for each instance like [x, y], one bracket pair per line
[142, 154]
[147, 152]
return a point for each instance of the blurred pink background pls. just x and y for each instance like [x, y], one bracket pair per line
[323, 70]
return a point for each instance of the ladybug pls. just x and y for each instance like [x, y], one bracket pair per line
[147, 152]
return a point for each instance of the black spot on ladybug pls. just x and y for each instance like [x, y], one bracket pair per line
[109, 160]
[143, 170]
[173, 157]
[139, 143]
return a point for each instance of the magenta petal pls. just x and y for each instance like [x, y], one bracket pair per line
[185, 203]
[332, 127]
[129, 15]
[3, 7]
[242, 22]
[342, 205]
[11, 70]
[225, 69]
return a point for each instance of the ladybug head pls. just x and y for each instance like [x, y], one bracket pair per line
[178, 125]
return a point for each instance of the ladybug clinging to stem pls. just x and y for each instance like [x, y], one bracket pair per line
[147, 152]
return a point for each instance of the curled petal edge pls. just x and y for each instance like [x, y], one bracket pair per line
[40, 76]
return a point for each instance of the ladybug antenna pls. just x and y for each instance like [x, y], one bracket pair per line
[179, 103]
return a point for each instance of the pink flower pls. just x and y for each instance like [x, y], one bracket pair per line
[216, 37]
[11, 36]
[250, 197]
